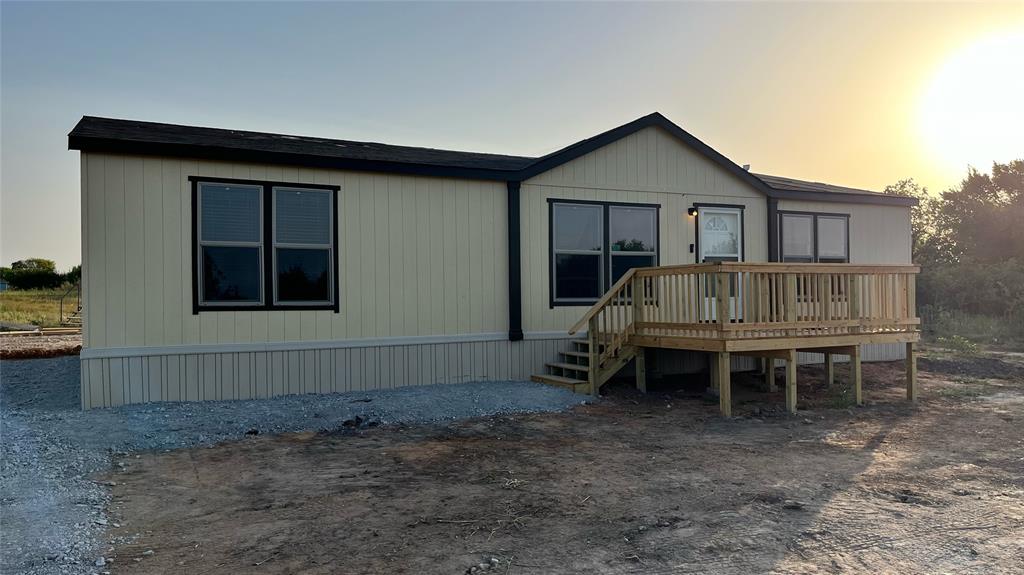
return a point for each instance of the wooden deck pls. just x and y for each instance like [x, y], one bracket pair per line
[769, 310]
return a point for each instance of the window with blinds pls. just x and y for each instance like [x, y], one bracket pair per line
[264, 245]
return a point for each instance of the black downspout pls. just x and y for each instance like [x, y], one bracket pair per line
[773, 230]
[515, 281]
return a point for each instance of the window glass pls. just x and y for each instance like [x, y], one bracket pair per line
[832, 237]
[302, 216]
[303, 275]
[631, 229]
[231, 274]
[577, 276]
[797, 237]
[230, 213]
[577, 227]
[719, 233]
[623, 263]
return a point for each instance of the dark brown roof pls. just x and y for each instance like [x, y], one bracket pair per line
[96, 134]
[781, 183]
[93, 132]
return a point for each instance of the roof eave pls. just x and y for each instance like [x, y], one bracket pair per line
[117, 146]
[843, 198]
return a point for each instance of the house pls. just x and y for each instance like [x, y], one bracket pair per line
[224, 264]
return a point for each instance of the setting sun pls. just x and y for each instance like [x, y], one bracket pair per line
[971, 111]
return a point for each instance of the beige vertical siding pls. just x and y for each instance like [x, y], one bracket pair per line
[418, 256]
[650, 167]
[878, 234]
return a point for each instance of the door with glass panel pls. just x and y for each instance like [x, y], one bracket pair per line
[720, 239]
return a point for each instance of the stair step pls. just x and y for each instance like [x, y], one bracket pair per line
[570, 366]
[575, 354]
[574, 385]
[581, 341]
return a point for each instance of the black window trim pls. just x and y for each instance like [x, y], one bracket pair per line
[814, 235]
[606, 251]
[267, 289]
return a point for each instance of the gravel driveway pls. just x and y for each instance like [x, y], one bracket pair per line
[53, 515]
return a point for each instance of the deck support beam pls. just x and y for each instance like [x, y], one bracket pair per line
[791, 380]
[911, 372]
[858, 394]
[641, 369]
[830, 369]
[724, 382]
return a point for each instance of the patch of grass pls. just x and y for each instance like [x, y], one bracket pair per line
[958, 344]
[839, 396]
[36, 307]
[963, 388]
[956, 327]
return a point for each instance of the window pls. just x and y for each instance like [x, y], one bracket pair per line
[245, 259]
[593, 244]
[808, 237]
[631, 239]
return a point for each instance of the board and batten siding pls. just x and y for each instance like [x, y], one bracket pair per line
[418, 256]
[878, 234]
[648, 167]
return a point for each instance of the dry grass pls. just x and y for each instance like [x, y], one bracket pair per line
[36, 307]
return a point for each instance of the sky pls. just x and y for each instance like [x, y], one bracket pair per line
[855, 94]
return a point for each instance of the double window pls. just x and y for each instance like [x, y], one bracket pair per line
[264, 245]
[593, 244]
[810, 237]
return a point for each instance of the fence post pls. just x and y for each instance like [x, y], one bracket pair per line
[722, 297]
[789, 294]
[855, 301]
[638, 293]
[593, 355]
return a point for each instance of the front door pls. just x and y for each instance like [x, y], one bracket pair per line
[720, 239]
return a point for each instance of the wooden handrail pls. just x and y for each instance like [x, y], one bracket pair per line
[780, 267]
[607, 297]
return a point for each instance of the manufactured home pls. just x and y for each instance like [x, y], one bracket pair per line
[225, 264]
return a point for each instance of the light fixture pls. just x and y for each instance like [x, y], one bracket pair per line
[692, 211]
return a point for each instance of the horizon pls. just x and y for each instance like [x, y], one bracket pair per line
[447, 76]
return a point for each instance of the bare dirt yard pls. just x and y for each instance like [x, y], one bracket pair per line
[634, 484]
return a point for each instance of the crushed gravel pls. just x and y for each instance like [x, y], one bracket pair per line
[53, 514]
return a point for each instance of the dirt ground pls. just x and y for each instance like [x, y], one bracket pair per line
[36, 346]
[634, 484]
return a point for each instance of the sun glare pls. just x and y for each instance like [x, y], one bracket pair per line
[972, 111]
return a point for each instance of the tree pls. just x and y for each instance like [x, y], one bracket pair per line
[33, 273]
[34, 264]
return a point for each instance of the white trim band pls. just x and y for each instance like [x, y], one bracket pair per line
[110, 352]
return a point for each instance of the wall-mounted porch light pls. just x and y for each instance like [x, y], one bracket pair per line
[692, 211]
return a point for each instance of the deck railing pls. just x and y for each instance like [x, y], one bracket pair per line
[730, 300]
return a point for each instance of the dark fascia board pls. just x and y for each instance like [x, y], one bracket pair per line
[844, 198]
[113, 146]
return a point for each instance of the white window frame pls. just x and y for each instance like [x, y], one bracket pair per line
[329, 246]
[556, 252]
[200, 244]
[612, 253]
[702, 215]
[815, 255]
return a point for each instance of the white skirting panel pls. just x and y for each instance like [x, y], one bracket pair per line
[222, 375]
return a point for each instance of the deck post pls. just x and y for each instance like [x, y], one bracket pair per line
[789, 298]
[723, 379]
[858, 395]
[830, 369]
[911, 372]
[722, 297]
[791, 380]
[593, 355]
[641, 369]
